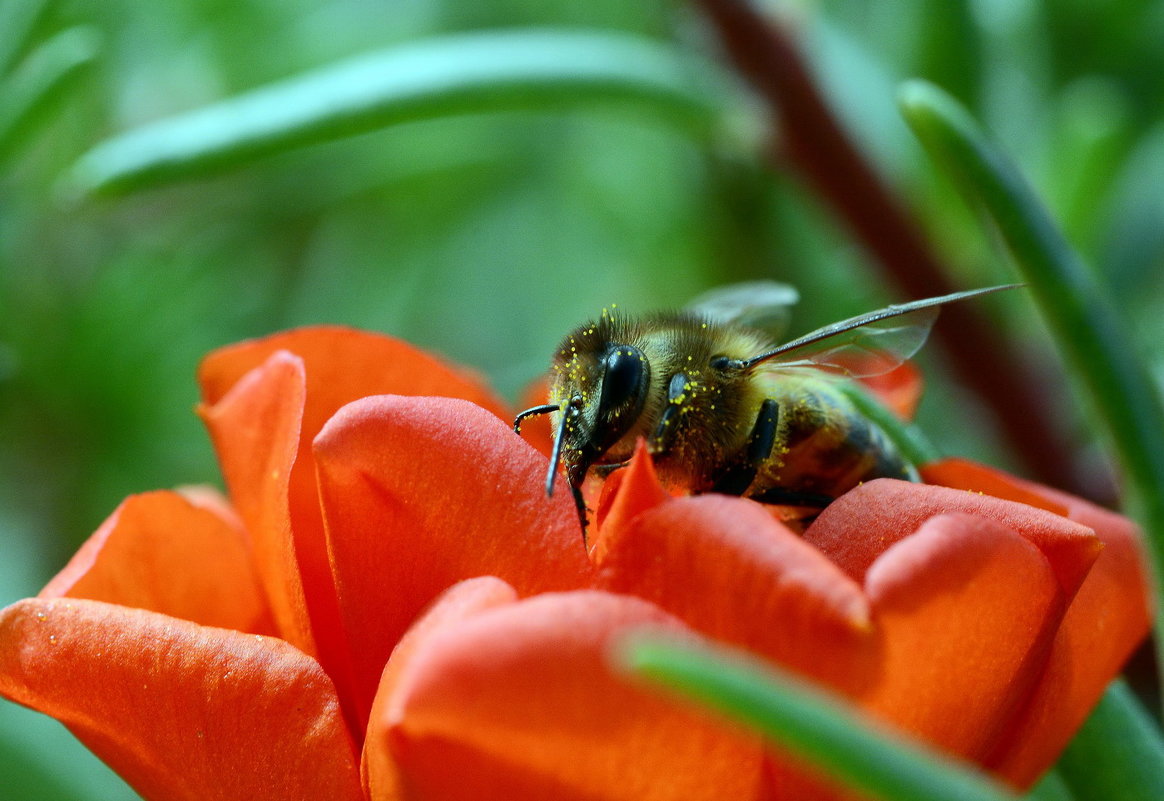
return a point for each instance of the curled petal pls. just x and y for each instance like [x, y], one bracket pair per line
[522, 699]
[860, 525]
[727, 569]
[263, 419]
[965, 609]
[624, 496]
[378, 769]
[255, 429]
[173, 707]
[420, 493]
[343, 364]
[159, 552]
[1106, 620]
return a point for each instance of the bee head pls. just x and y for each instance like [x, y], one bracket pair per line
[602, 407]
[600, 383]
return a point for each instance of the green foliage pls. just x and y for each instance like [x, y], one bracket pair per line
[810, 724]
[1118, 754]
[434, 78]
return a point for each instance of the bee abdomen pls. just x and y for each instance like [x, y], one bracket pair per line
[824, 449]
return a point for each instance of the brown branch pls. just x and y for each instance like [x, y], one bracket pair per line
[815, 145]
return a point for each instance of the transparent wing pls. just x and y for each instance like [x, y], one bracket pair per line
[869, 350]
[764, 305]
[870, 344]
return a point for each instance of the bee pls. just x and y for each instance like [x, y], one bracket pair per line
[724, 409]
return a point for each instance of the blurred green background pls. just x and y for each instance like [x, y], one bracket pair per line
[485, 233]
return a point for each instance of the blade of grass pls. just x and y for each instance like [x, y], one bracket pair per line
[1087, 326]
[18, 21]
[1050, 788]
[1118, 754]
[459, 74]
[45, 78]
[806, 722]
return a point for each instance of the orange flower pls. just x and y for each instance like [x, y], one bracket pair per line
[391, 608]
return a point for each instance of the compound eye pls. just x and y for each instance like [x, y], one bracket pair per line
[624, 378]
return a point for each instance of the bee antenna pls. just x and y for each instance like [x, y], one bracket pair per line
[533, 411]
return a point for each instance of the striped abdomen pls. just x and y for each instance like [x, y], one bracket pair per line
[823, 447]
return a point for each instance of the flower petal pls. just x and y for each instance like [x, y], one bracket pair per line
[263, 437]
[160, 552]
[860, 525]
[180, 711]
[536, 430]
[523, 701]
[965, 609]
[255, 429]
[726, 568]
[378, 770]
[1104, 623]
[624, 496]
[343, 364]
[420, 493]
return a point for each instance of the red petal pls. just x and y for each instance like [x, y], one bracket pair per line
[343, 364]
[856, 528]
[158, 551]
[255, 428]
[973, 477]
[521, 699]
[378, 769]
[727, 569]
[624, 496]
[180, 711]
[420, 493]
[265, 451]
[966, 609]
[1105, 621]
[536, 430]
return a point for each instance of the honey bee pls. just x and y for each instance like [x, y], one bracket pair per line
[722, 408]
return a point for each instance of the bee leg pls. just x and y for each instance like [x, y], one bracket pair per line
[736, 477]
[580, 504]
[781, 496]
[664, 433]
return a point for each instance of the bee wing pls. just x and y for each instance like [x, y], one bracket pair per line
[756, 304]
[869, 344]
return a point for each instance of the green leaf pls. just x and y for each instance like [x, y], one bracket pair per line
[459, 74]
[18, 21]
[1050, 788]
[803, 720]
[1088, 327]
[1118, 755]
[45, 78]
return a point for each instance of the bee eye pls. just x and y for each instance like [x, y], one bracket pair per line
[624, 377]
